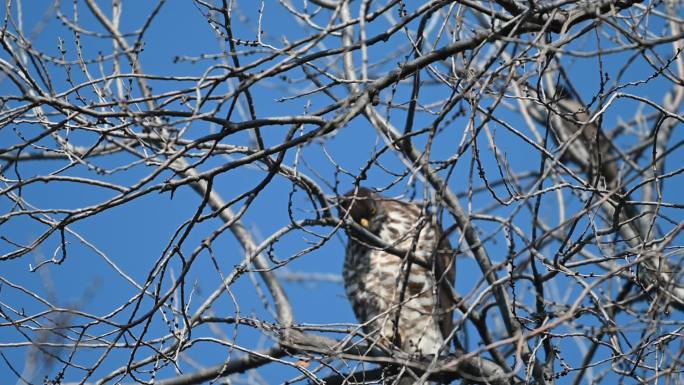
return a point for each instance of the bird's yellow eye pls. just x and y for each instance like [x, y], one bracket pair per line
[364, 222]
[373, 211]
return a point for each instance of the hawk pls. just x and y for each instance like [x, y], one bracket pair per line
[401, 294]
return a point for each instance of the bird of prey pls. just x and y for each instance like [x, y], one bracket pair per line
[400, 288]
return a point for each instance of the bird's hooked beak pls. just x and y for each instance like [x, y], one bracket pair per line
[344, 204]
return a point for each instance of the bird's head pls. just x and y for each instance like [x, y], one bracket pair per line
[363, 206]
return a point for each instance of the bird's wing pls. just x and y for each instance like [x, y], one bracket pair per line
[445, 273]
